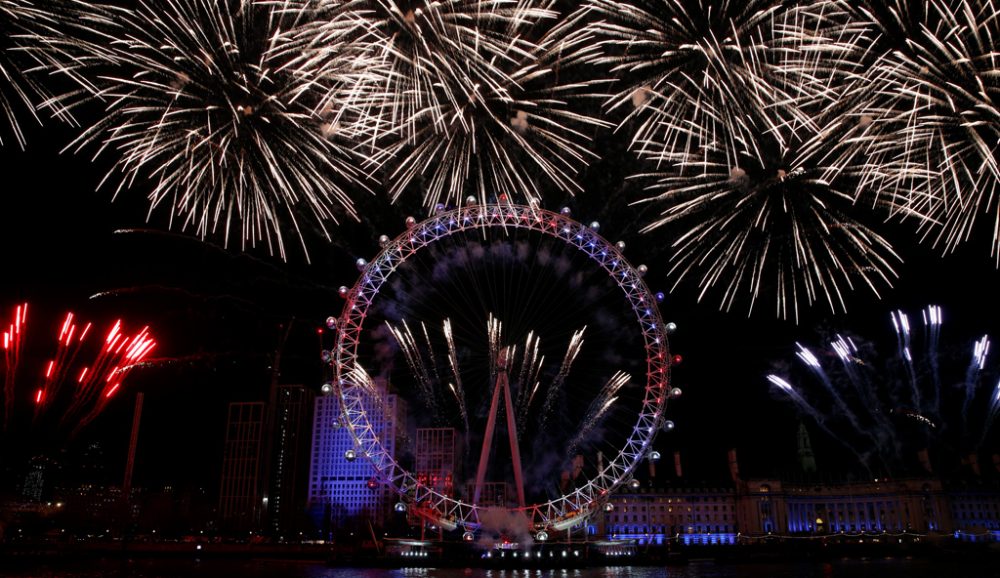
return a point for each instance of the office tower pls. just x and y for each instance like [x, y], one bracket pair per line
[343, 492]
[291, 422]
[435, 458]
[240, 495]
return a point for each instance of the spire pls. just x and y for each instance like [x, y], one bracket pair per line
[806, 458]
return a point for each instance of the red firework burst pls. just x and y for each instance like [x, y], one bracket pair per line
[76, 376]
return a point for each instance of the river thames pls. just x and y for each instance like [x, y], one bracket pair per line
[260, 568]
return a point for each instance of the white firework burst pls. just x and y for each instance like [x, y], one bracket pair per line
[927, 108]
[688, 72]
[34, 35]
[737, 128]
[202, 103]
[473, 98]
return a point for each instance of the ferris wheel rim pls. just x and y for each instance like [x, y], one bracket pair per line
[567, 509]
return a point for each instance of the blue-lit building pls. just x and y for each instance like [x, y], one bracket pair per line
[675, 510]
[692, 515]
[909, 505]
[339, 492]
[975, 512]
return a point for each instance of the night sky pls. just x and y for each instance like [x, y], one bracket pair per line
[219, 313]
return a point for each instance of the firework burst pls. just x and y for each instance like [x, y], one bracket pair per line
[689, 72]
[598, 409]
[881, 409]
[18, 90]
[201, 100]
[735, 128]
[34, 36]
[771, 221]
[79, 377]
[927, 109]
[439, 393]
[474, 100]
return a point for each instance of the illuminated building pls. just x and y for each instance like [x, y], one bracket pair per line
[240, 496]
[689, 515]
[340, 487]
[917, 505]
[692, 515]
[975, 512]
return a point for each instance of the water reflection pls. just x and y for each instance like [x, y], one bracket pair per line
[882, 568]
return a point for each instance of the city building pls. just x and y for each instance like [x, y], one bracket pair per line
[289, 434]
[241, 491]
[436, 458]
[690, 515]
[39, 480]
[770, 506]
[975, 511]
[342, 492]
[681, 512]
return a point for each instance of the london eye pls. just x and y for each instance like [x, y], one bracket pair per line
[521, 328]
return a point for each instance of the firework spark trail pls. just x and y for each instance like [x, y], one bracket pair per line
[527, 404]
[686, 69]
[555, 388]
[925, 89]
[67, 349]
[980, 350]
[199, 103]
[932, 324]
[592, 418]
[531, 364]
[359, 377]
[732, 112]
[18, 91]
[501, 97]
[901, 323]
[37, 40]
[852, 364]
[527, 364]
[94, 383]
[102, 376]
[809, 358]
[494, 331]
[417, 366]
[474, 98]
[880, 433]
[13, 343]
[875, 389]
[430, 353]
[812, 412]
[457, 388]
[994, 409]
[106, 376]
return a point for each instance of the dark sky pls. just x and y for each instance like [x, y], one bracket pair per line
[219, 313]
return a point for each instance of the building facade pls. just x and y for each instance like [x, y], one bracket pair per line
[910, 505]
[291, 426]
[657, 516]
[241, 491]
[436, 458]
[343, 492]
[754, 508]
